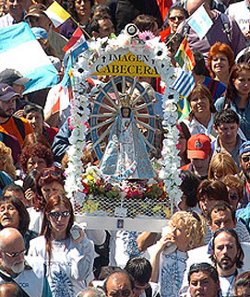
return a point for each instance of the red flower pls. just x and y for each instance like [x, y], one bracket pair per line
[86, 188]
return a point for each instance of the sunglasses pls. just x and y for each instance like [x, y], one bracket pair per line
[176, 18]
[16, 254]
[57, 214]
[245, 159]
[195, 215]
[52, 173]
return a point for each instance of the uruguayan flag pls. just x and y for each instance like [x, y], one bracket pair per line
[20, 50]
[184, 83]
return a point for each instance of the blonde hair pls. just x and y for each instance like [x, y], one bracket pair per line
[8, 164]
[222, 163]
[194, 226]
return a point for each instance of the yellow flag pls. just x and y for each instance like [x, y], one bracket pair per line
[57, 14]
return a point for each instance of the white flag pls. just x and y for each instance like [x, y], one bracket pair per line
[200, 21]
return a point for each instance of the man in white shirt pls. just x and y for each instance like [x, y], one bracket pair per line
[205, 254]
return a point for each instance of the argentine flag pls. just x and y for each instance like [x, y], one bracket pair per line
[20, 50]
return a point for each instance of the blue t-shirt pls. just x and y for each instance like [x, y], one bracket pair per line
[5, 180]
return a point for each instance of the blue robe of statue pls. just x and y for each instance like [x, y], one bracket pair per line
[126, 155]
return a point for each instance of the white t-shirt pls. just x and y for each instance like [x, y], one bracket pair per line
[241, 13]
[71, 264]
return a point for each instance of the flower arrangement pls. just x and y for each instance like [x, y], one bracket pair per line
[139, 196]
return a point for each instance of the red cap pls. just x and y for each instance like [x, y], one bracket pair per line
[199, 147]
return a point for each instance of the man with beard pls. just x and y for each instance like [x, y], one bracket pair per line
[227, 255]
[14, 269]
[9, 123]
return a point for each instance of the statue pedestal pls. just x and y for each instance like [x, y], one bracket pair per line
[112, 223]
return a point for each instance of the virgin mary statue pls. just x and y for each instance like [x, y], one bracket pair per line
[126, 155]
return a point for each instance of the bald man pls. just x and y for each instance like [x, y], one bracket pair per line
[223, 30]
[10, 290]
[13, 268]
[119, 283]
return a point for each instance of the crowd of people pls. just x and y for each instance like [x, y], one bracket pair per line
[205, 249]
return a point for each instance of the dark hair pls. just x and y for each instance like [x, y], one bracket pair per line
[72, 10]
[140, 268]
[226, 116]
[32, 107]
[94, 23]
[189, 186]
[104, 9]
[245, 58]
[233, 233]
[176, 6]
[205, 267]
[214, 189]
[242, 280]
[35, 150]
[200, 67]
[145, 22]
[24, 218]
[126, 108]
[231, 92]
[53, 201]
[221, 206]
[120, 271]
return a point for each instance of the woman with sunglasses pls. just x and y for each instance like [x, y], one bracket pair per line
[175, 16]
[14, 214]
[168, 256]
[69, 262]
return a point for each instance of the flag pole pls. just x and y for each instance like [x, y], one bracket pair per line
[78, 24]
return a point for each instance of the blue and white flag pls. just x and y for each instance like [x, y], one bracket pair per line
[200, 21]
[20, 50]
[184, 83]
